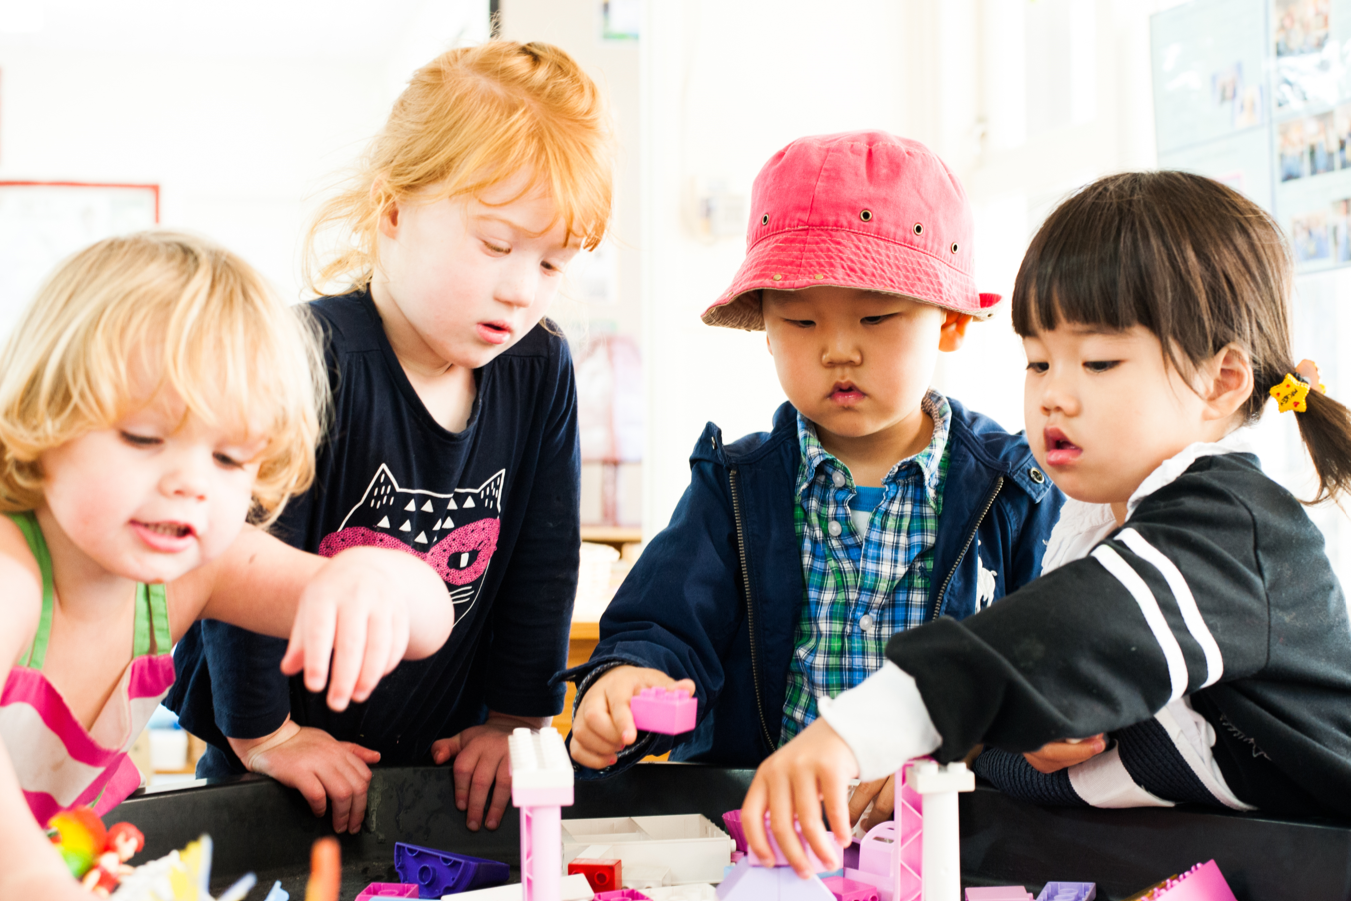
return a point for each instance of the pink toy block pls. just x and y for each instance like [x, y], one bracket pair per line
[388, 890]
[667, 712]
[999, 893]
[750, 883]
[1203, 882]
[624, 894]
[1068, 891]
[541, 783]
[848, 890]
[732, 820]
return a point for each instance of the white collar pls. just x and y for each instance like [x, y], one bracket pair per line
[1236, 442]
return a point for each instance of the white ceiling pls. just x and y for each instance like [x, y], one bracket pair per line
[284, 29]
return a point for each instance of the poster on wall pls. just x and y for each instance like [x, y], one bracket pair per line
[41, 223]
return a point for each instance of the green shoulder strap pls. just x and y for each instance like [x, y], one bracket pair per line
[152, 616]
[32, 533]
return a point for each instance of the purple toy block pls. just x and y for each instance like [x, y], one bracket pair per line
[388, 890]
[848, 890]
[624, 894]
[438, 873]
[748, 883]
[999, 893]
[1068, 891]
[667, 712]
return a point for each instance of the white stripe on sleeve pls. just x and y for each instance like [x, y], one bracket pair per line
[1182, 593]
[1149, 606]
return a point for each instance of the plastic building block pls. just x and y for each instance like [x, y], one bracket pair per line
[623, 894]
[999, 893]
[846, 889]
[435, 873]
[752, 883]
[1203, 882]
[601, 875]
[698, 892]
[1068, 891]
[732, 819]
[541, 783]
[660, 850]
[667, 712]
[388, 890]
[570, 888]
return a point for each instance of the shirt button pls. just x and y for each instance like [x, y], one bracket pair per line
[834, 529]
[866, 622]
[838, 479]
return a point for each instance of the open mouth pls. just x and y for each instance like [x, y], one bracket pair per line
[846, 393]
[497, 332]
[1059, 449]
[168, 529]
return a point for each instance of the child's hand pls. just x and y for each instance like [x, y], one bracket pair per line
[357, 610]
[810, 771]
[483, 763]
[1059, 754]
[603, 725]
[318, 766]
[881, 793]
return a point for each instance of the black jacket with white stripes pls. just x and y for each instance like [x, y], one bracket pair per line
[1217, 588]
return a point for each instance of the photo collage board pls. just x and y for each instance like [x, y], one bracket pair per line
[1257, 94]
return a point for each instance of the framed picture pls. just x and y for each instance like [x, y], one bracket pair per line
[43, 222]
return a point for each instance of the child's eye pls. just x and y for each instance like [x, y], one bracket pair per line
[1037, 367]
[873, 320]
[226, 460]
[139, 440]
[496, 248]
[1101, 365]
[803, 323]
[552, 268]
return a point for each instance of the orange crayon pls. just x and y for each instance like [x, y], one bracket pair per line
[325, 871]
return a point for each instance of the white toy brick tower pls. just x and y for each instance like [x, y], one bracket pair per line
[541, 784]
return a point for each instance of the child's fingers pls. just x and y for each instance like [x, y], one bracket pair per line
[313, 791]
[316, 627]
[835, 800]
[864, 793]
[599, 716]
[884, 804]
[349, 648]
[445, 748]
[781, 810]
[501, 795]
[753, 821]
[808, 798]
[597, 758]
[365, 755]
[374, 659]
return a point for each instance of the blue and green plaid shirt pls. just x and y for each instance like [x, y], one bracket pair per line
[860, 589]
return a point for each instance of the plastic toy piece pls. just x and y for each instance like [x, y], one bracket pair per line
[732, 820]
[753, 883]
[1068, 891]
[124, 842]
[278, 893]
[325, 870]
[624, 894]
[570, 888]
[80, 838]
[602, 875]
[846, 889]
[668, 712]
[436, 873]
[1203, 882]
[388, 889]
[182, 876]
[541, 783]
[656, 851]
[999, 893]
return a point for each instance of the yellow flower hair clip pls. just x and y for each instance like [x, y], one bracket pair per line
[1293, 391]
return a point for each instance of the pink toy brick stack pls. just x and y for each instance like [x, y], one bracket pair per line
[541, 784]
[667, 712]
[1203, 882]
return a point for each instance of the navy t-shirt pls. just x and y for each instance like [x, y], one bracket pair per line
[493, 508]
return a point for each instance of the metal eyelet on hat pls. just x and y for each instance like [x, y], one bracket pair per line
[954, 246]
[866, 215]
[919, 228]
[776, 276]
[764, 220]
[1036, 475]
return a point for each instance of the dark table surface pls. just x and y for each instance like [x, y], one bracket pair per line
[257, 825]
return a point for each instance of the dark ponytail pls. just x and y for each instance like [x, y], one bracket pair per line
[1199, 265]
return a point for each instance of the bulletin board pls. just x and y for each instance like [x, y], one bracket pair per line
[41, 223]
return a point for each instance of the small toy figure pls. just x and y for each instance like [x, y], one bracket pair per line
[124, 842]
[80, 836]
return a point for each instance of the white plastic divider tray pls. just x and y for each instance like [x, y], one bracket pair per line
[688, 846]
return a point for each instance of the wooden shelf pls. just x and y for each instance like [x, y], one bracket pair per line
[615, 536]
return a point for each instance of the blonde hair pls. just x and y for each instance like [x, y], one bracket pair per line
[469, 120]
[183, 312]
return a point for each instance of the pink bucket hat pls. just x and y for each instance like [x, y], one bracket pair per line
[862, 209]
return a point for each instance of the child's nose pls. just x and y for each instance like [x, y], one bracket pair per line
[840, 349]
[187, 476]
[518, 286]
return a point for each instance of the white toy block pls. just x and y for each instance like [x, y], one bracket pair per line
[570, 888]
[690, 846]
[695, 892]
[541, 783]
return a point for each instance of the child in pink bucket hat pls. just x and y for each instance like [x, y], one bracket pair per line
[874, 505]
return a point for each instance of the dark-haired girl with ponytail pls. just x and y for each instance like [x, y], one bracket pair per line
[1187, 641]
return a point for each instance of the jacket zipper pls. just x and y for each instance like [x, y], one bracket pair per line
[989, 502]
[750, 607]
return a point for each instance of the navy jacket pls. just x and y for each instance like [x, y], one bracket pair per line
[717, 595]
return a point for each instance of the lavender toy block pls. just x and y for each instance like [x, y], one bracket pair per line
[1068, 891]
[1203, 882]
[750, 883]
[438, 873]
[667, 712]
[388, 890]
[845, 889]
[999, 893]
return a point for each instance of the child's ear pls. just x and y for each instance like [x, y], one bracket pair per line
[954, 330]
[388, 224]
[1230, 382]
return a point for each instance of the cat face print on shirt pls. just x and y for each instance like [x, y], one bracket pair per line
[455, 533]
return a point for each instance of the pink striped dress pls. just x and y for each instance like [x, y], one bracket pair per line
[60, 765]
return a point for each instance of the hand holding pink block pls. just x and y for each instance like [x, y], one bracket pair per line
[667, 712]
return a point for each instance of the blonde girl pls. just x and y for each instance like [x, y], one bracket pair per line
[153, 398]
[1186, 610]
[454, 435]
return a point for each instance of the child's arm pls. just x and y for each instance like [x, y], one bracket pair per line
[364, 609]
[603, 725]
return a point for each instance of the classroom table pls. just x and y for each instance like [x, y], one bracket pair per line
[258, 825]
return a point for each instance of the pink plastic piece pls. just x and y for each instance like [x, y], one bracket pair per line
[1203, 882]
[890, 854]
[848, 890]
[388, 890]
[667, 712]
[751, 883]
[732, 820]
[624, 894]
[999, 893]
